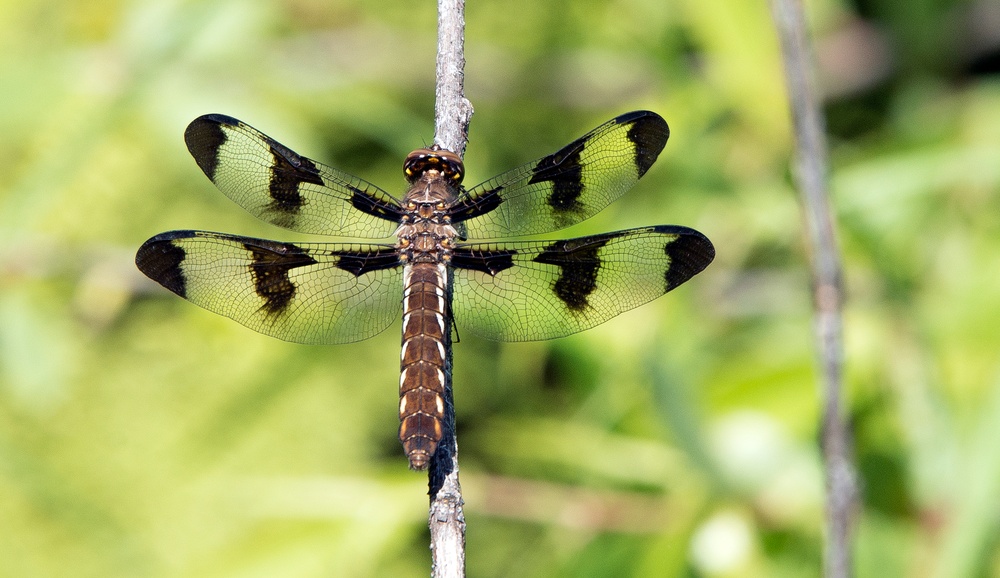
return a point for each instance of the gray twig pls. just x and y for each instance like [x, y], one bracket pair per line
[452, 113]
[811, 179]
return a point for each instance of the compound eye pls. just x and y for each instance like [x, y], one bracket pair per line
[452, 166]
[433, 159]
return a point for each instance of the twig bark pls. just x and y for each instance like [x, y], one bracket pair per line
[811, 179]
[452, 113]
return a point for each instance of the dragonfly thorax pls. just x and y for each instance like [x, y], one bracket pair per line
[425, 233]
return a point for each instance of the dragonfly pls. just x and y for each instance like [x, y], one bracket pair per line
[443, 261]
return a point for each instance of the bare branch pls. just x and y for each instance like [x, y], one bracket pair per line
[811, 178]
[452, 113]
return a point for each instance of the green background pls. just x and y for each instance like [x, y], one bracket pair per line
[141, 436]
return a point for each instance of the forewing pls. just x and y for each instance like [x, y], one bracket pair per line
[308, 293]
[281, 187]
[525, 291]
[567, 186]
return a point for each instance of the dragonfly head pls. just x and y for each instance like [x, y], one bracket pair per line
[434, 159]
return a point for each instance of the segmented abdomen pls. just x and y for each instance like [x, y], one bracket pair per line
[422, 361]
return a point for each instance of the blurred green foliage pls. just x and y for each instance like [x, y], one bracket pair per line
[141, 436]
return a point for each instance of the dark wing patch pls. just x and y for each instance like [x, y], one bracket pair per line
[289, 171]
[278, 185]
[648, 134]
[469, 207]
[579, 262]
[302, 292]
[688, 256]
[360, 263]
[490, 261]
[161, 260]
[568, 186]
[204, 138]
[552, 289]
[564, 172]
[270, 267]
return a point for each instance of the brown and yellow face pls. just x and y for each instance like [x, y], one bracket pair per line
[434, 159]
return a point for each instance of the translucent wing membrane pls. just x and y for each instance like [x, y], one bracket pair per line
[307, 293]
[567, 186]
[281, 187]
[525, 291]
[510, 291]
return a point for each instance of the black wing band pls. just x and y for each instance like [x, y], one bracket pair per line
[307, 293]
[524, 291]
[278, 185]
[568, 186]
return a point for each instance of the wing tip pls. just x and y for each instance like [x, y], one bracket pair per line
[690, 253]
[639, 114]
[159, 258]
[204, 137]
[649, 133]
[216, 118]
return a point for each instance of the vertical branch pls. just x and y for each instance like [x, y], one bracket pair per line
[811, 179]
[452, 113]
